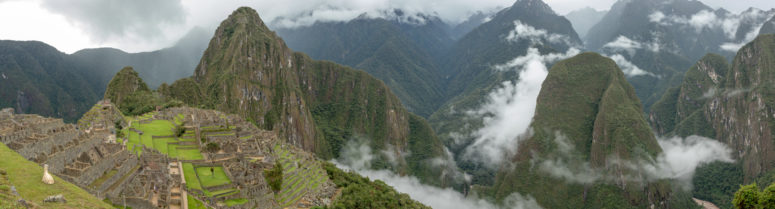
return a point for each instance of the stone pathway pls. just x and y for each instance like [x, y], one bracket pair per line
[705, 204]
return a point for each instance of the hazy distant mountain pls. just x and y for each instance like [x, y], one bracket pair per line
[768, 27]
[42, 80]
[401, 54]
[662, 38]
[475, 20]
[156, 67]
[583, 19]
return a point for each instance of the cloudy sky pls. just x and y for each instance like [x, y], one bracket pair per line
[144, 25]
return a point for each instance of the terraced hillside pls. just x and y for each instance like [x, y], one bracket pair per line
[301, 175]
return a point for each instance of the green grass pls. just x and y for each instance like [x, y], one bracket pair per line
[233, 202]
[215, 178]
[191, 181]
[195, 203]
[26, 175]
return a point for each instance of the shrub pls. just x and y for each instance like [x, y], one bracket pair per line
[274, 177]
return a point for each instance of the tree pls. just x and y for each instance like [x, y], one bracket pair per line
[747, 197]
[767, 197]
[274, 177]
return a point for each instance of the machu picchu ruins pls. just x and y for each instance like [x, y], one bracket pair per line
[169, 158]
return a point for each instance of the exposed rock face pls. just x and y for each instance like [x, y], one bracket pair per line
[588, 116]
[315, 105]
[736, 105]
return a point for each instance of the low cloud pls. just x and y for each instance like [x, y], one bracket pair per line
[623, 43]
[508, 111]
[527, 32]
[356, 156]
[678, 161]
[629, 69]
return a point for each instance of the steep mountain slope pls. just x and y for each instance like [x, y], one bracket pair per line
[315, 105]
[402, 54]
[593, 129]
[36, 78]
[679, 111]
[735, 107]
[583, 19]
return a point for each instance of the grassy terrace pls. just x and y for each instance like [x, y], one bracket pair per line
[164, 145]
[26, 175]
[300, 176]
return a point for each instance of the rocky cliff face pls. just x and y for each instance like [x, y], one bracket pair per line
[316, 105]
[733, 105]
[589, 117]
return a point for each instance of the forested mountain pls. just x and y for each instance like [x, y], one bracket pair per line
[37, 78]
[590, 133]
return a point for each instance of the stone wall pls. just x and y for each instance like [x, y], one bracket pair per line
[68, 155]
[101, 167]
[126, 167]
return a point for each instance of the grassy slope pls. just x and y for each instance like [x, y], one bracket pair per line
[26, 176]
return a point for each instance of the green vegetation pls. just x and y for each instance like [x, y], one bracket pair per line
[26, 175]
[274, 177]
[150, 128]
[233, 202]
[717, 182]
[360, 192]
[132, 96]
[587, 102]
[299, 176]
[103, 178]
[194, 203]
[212, 176]
[749, 196]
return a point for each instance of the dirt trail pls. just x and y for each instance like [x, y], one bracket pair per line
[705, 204]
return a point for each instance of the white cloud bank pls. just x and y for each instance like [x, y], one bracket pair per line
[357, 157]
[536, 36]
[679, 159]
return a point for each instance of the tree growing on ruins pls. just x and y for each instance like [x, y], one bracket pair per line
[212, 147]
[274, 177]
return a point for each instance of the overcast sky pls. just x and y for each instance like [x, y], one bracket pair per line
[145, 25]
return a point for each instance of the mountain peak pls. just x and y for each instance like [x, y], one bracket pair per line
[534, 5]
